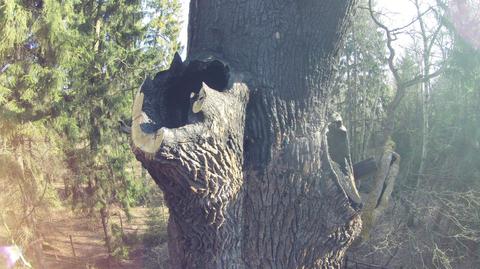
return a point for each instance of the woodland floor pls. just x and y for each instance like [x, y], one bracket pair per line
[88, 240]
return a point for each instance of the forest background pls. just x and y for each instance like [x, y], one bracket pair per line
[69, 71]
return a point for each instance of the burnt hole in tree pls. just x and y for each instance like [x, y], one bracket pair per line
[167, 98]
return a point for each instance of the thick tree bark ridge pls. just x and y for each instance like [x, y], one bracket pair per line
[238, 138]
[197, 165]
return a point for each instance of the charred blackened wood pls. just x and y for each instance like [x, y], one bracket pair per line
[364, 168]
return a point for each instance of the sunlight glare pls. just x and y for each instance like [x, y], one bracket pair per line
[12, 254]
[465, 17]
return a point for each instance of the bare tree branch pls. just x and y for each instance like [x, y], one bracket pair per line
[421, 78]
[391, 50]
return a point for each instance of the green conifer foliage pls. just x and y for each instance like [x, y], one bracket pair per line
[112, 58]
[68, 72]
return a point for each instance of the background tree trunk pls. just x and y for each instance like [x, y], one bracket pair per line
[107, 232]
[249, 175]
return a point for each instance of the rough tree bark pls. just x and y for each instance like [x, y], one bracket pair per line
[237, 137]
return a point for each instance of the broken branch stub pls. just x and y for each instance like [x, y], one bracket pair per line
[377, 200]
[187, 130]
[339, 158]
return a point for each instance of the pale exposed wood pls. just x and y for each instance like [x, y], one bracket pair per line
[148, 143]
[198, 104]
[378, 197]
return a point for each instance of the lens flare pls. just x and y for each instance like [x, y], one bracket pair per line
[465, 16]
[12, 254]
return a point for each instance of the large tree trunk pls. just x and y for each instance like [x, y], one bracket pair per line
[238, 138]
